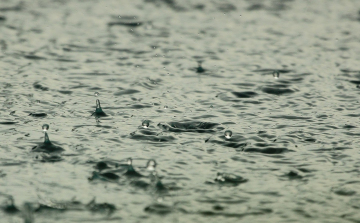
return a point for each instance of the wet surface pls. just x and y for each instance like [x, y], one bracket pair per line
[172, 77]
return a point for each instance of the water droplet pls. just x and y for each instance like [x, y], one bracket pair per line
[200, 69]
[96, 94]
[228, 134]
[145, 124]
[151, 164]
[119, 17]
[45, 127]
[166, 107]
[276, 74]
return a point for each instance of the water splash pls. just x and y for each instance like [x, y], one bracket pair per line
[47, 146]
[98, 111]
[131, 172]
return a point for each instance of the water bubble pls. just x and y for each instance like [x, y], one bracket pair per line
[166, 107]
[145, 124]
[228, 134]
[276, 74]
[96, 94]
[45, 127]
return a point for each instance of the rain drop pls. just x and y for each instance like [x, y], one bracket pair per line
[96, 94]
[151, 165]
[145, 124]
[276, 74]
[200, 69]
[45, 127]
[228, 134]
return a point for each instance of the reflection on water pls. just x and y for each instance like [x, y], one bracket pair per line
[250, 109]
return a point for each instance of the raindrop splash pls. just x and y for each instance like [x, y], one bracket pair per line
[96, 94]
[98, 111]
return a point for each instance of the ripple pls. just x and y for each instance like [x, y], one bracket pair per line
[245, 94]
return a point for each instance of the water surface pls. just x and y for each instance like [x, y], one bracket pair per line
[293, 155]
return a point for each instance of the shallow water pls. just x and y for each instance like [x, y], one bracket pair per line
[294, 146]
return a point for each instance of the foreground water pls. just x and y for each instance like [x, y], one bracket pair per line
[172, 77]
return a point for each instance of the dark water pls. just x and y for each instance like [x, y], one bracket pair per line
[294, 151]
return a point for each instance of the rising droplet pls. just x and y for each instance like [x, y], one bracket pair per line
[45, 127]
[129, 161]
[151, 164]
[200, 69]
[96, 94]
[228, 134]
[276, 74]
[145, 124]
